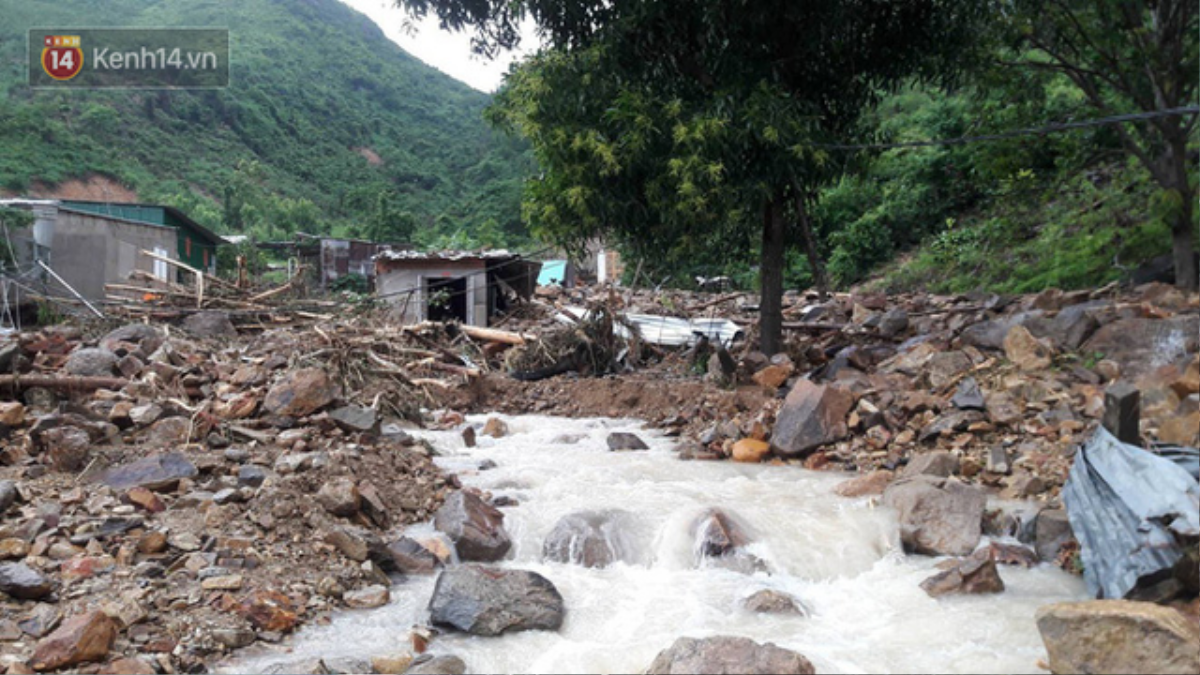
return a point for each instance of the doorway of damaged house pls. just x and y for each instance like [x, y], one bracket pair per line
[446, 299]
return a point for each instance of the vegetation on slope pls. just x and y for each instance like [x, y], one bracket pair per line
[327, 126]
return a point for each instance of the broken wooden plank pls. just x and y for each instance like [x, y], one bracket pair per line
[493, 335]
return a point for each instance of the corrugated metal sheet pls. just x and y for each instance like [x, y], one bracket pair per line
[670, 331]
[393, 254]
[1124, 504]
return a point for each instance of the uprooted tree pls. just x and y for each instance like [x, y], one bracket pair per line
[1130, 56]
[700, 122]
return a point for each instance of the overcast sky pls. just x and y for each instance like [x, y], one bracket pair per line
[446, 51]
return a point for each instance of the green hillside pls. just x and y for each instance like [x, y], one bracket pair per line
[326, 126]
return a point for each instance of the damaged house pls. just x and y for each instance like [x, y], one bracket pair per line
[464, 286]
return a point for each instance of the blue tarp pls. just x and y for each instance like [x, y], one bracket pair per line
[554, 272]
[1126, 505]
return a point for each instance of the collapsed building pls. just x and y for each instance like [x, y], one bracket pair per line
[464, 286]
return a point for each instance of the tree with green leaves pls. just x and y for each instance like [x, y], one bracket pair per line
[1129, 56]
[664, 120]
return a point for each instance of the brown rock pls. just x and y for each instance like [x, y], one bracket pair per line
[872, 483]
[1138, 344]
[495, 427]
[301, 392]
[67, 447]
[80, 639]
[340, 497]
[1026, 351]
[13, 548]
[1118, 636]
[367, 598]
[719, 534]
[812, 415]
[973, 575]
[942, 368]
[768, 601]
[750, 450]
[145, 499]
[152, 542]
[773, 377]
[12, 413]
[1187, 384]
[723, 655]
[269, 611]
[129, 666]
[391, 664]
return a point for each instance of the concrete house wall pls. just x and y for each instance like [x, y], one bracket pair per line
[90, 250]
[394, 280]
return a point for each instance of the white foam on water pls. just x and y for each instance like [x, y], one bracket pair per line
[840, 557]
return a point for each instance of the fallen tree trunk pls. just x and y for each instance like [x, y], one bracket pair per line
[493, 335]
[62, 382]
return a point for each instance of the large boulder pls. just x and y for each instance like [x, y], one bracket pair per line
[1141, 345]
[80, 639]
[489, 601]
[157, 472]
[91, 362]
[299, 393]
[1118, 636]
[589, 538]
[938, 516]
[475, 527]
[976, 574]
[724, 654]
[812, 415]
[211, 324]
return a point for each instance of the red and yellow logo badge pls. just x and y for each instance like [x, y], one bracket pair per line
[62, 58]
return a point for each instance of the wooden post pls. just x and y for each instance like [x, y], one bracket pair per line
[1122, 412]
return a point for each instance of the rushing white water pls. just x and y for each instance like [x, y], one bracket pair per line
[841, 557]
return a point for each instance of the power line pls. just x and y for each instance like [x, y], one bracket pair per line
[1033, 131]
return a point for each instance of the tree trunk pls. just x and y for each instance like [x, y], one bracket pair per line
[810, 248]
[770, 311]
[1182, 238]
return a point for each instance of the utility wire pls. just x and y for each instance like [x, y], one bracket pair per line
[1033, 131]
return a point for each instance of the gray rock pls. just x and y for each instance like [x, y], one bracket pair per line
[157, 472]
[948, 422]
[893, 322]
[298, 667]
[971, 576]
[491, 601]
[91, 362]
[356, 418]
[346, 665]
[1052, 529]
[589, 538]
[939, 463]
[8, 494]
[990, 334]
[724, 655]
[237, 455]
[812, 415]
[22, 582]
[250, 475]
[1072, 327]
[143, 338]
[997, 460]
[968, 396]
[475, 527]
[410, 557]
[210, 324]
[938, 516]
[623, 440]
[446, 664]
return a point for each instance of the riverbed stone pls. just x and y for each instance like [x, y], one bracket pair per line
[1118, 636]
[939, 463]
[623, 440]
[718, 534]
[938, 516]
[723, 655]
[210, 324]
[356, 418]
[158, 472]
[812, 415]
[490, 601]
[768, 601]
[444, 664]
[873, 483]
[976, 574]
[1052, 530]
[80, 639]
[376, 595]
[475, 527]
[410, 557]
[750, 450]
[587, 538]
[340, 497]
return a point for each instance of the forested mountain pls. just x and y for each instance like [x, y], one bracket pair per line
[326, 126]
